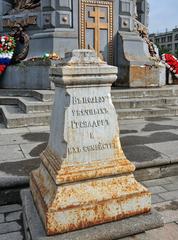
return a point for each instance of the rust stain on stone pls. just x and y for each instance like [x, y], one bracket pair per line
[63, 173]
[146, 74]
[88, 203]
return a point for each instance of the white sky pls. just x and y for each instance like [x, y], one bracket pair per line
[163, 15]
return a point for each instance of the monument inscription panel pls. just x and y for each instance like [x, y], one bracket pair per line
[90, 123]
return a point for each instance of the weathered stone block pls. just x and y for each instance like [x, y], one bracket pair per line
[85, 178]
[138, 69]
[34, 229]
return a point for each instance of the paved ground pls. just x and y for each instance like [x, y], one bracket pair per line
[11, 222]
[165, 200]
[144, 141]
[153, 139]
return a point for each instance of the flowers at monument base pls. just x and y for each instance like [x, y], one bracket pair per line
[52, 56]
[45, 57]
[7, 47]
[171, 63]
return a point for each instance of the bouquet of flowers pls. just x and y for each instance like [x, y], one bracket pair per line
[7, 48]
[171, 63]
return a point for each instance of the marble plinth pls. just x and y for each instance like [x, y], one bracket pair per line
[84, 178]
[34, 229]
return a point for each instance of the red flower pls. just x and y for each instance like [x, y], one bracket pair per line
[171, 62]
[2, 68]
[6, 37]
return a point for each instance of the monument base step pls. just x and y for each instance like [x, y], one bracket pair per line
[25, 108]
[34, 229]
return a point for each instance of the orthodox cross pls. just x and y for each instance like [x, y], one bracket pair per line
[97, 25]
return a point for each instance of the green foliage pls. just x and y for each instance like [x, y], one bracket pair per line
[176, 53]
[164, 50]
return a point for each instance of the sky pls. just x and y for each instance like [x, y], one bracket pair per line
[163, 15]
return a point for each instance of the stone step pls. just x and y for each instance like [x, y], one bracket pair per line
[32, 108]
[19, 119]
[8, 100]
[43, 95]
[48, 95]
[29, 105]
[145, 113]
[144, 102]
[15, 92]
[14, 117]
[145, 92]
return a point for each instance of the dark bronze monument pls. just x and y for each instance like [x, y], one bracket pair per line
[28, 4]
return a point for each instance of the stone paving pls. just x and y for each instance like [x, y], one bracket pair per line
[165, 201]
[153, 140]
[11, 226]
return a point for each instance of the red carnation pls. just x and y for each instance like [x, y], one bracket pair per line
[2, 68]
[171, 63]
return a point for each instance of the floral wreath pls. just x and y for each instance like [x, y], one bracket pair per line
[171, 63]
[7, 48]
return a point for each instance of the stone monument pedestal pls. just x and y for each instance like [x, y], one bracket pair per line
[34, 228]
[85, 179]
[136, 67]
[28, 75]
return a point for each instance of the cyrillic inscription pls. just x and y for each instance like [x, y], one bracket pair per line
[83, 117]
[89, 112]
[90, 148]
[86, 100]
[89, 124]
